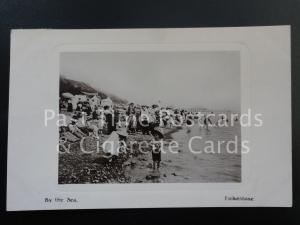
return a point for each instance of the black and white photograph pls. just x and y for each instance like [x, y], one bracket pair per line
[147, 111]
[150, 117]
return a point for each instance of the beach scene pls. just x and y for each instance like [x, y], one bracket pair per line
[149, 117]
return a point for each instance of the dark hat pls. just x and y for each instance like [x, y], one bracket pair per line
[156, 132]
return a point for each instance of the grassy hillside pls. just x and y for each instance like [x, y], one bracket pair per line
[77, 87]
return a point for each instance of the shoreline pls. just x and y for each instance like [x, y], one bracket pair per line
[135, 166]
[80, 168]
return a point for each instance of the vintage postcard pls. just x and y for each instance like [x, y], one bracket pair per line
[141, 118]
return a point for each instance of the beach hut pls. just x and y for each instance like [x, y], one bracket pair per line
[78, 98]
[106, 102]
[94, 101]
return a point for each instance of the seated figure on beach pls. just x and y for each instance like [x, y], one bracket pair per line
[73, 128]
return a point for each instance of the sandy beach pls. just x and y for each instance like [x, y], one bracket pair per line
[181, 167]
[185, 166]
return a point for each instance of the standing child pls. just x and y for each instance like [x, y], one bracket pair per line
[156, 148]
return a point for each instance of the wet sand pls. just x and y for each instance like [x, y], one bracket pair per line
[180, 167]
[188, 167]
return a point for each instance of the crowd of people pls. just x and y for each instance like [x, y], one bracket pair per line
[103, 119]
[85, 121]
[114, 122]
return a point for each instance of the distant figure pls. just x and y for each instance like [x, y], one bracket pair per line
[95, 114]
[206, 122]
[130, 109]
[101, 123]
[70, 106]
[132, 123]
[79, 107]
[189, 119]
[109, 117]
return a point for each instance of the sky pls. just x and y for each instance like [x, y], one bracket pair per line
[182, 79]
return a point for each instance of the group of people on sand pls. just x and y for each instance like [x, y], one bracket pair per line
[164, 117]
[90, 123]
[104, 119]
[125, 120]
[111, 120]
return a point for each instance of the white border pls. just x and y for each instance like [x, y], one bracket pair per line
[32, 162]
